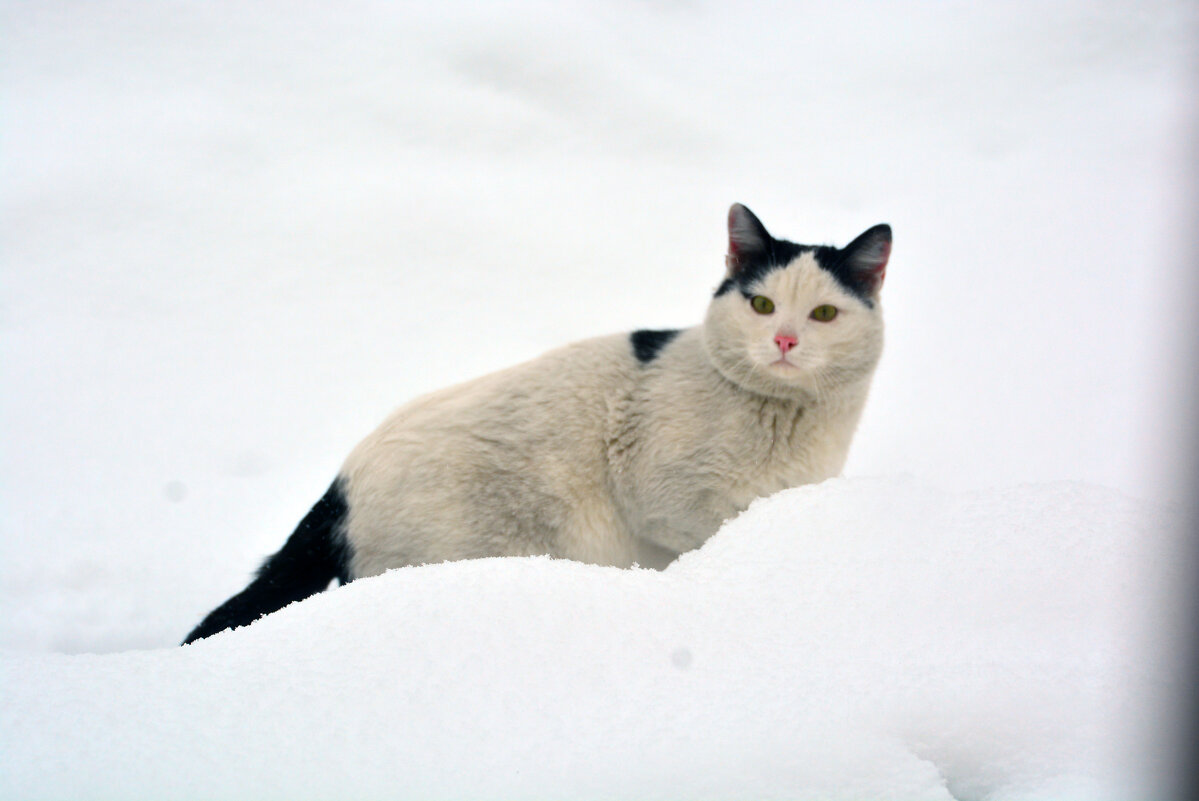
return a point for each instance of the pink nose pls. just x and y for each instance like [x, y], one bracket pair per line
[785, 343]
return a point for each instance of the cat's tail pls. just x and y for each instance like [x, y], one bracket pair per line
[312, 557]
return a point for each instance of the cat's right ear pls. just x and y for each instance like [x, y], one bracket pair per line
[867, 258]
[748, 239]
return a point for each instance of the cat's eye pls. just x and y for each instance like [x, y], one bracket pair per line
[762, 304]
[824, 313]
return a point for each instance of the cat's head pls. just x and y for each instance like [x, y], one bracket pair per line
[797, 320]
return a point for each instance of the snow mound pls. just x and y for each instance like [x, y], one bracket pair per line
[861, 638]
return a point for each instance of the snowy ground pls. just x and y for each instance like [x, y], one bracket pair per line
[235, 236]
[954, 650]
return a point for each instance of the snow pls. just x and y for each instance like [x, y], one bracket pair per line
[235, 236]
[861, 639]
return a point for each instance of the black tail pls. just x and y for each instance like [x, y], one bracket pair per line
[312, 557]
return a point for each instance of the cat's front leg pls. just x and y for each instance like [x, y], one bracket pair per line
[685, 530]
[652, 555]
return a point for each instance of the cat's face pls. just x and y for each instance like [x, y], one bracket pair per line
[797, 321]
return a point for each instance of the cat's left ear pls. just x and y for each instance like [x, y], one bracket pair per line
[867, 258]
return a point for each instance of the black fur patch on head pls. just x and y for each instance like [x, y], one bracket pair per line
[780, 253]
[777, 254]
[647, 344]
[859, 267]
[838, 263]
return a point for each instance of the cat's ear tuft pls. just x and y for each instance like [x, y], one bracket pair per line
[867, 257]
[748, 238]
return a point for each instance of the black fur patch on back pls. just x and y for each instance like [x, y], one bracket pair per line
[315, 554]
[647, 344]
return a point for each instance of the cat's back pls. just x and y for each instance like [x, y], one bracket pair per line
[563, 390]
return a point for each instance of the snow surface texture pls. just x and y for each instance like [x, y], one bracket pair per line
[236, 235]
[860, 639]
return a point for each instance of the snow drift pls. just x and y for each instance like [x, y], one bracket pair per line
[861, 638]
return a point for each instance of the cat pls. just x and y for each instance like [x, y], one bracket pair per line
[621, 450]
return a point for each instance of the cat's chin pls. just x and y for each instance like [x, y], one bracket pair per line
[785, 378]
[780, 379]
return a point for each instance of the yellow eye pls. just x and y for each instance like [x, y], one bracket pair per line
[762, 304]
[824, 313]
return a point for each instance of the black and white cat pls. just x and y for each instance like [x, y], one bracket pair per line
[621, 450]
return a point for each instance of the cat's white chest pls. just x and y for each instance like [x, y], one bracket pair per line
[684, 481]
[793, 447]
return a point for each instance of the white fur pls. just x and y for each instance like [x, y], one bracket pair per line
[585, 453]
